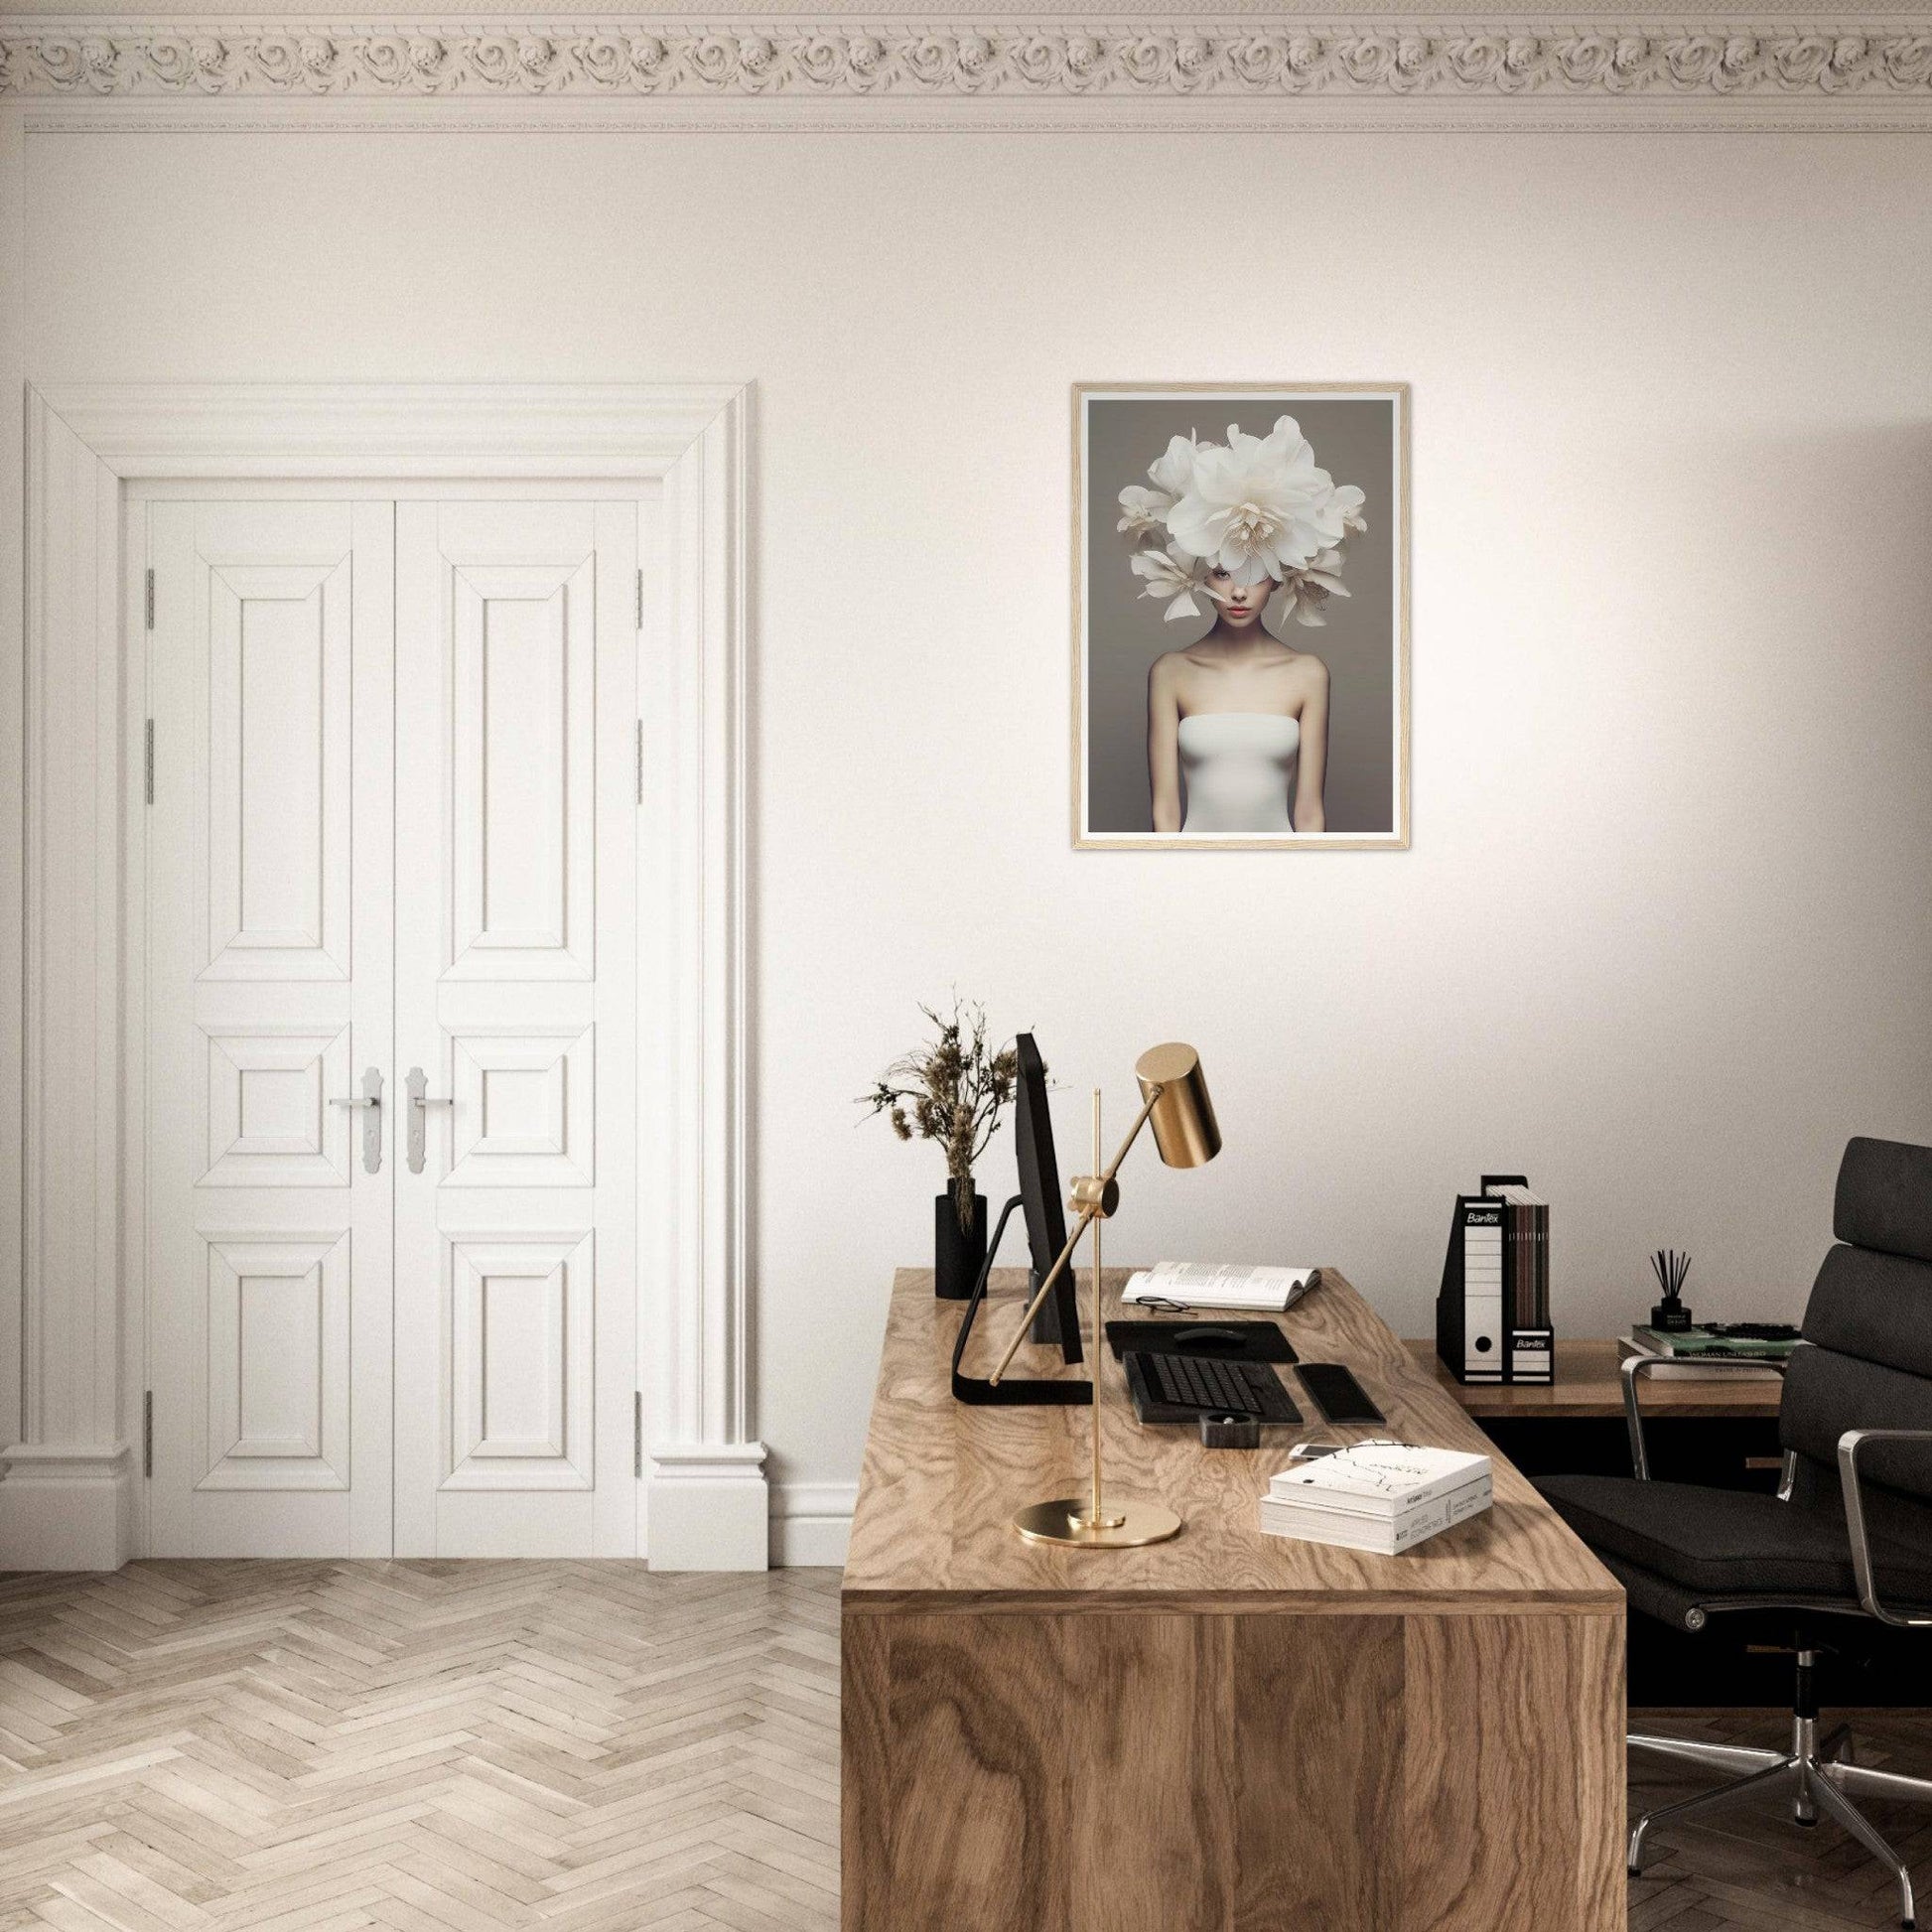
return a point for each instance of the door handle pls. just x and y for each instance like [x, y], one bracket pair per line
[372, 1099]
[420, 1102]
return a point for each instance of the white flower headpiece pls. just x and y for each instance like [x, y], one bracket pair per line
[1254, 506]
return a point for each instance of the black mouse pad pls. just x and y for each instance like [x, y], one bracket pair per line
[1224, 1341]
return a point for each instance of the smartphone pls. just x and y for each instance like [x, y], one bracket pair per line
[1337, 1394]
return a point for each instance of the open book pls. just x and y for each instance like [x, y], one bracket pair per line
[1219, 1285]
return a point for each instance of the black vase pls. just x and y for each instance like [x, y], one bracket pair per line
[958, 1254]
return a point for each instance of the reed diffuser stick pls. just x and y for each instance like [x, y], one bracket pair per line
[1671, 1267]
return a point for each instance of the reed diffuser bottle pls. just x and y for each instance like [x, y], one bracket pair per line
[1670, 1314]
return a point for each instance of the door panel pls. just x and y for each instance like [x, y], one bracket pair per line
[278, 1394]
[270, 1121]
[270, 993]
[515, 976]
[523, 844]
[524, 1107]
[279, 778]
[521, 1342]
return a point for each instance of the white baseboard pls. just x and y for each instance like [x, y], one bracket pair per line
[709, 1506]
[710, 1509]
[67, 1508]
[811, 1523]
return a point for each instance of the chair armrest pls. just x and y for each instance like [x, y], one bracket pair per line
[1848, 1446]
[1634, 1367]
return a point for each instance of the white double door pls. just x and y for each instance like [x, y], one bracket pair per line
[390, 986]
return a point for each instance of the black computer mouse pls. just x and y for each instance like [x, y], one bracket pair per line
[1208, 1337]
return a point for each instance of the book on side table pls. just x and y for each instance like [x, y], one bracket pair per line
[1384, 1497]
[1690, 1354]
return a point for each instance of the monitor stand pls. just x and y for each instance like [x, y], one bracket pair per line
[1011, 1391]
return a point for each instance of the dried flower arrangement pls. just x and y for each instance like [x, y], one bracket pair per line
[951, 1091]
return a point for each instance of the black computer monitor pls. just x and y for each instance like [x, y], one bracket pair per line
[1059, 1319]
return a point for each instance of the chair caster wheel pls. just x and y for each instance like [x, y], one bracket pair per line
[1807, 1823]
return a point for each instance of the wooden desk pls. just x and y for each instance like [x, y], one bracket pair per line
[1227, 1730]
[1588, 1385]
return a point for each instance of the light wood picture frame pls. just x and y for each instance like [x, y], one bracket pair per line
[1318, 514]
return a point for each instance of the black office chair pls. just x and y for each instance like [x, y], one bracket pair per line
[1849, 1535]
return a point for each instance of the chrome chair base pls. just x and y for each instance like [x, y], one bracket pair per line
[1821, 1774]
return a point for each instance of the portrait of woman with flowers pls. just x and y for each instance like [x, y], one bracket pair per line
[1204, 711]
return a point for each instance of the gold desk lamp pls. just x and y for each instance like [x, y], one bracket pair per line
[1174, 1102]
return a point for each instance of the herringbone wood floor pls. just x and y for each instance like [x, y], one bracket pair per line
[1751, 1867]
[428, 1746]
[462, 1748]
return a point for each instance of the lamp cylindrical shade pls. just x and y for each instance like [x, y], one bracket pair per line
[1185, 1128]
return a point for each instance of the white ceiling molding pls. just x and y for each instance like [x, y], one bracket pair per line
[1871, 73]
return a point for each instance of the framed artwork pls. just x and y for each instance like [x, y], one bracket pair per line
[1241, 615]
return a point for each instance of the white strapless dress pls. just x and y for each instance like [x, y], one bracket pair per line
[1239, 766]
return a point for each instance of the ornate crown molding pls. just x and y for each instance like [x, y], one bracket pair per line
[1884, 65]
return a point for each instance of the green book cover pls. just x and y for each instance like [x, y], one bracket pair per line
[1700, 1342]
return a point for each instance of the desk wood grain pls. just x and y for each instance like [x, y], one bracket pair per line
[1228, 1732]
[940, 1481]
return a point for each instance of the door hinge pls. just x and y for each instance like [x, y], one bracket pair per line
[640, 600]
[637, 1432]
[148, 761]
[641, 761]
[147, 1434]
[150, 596]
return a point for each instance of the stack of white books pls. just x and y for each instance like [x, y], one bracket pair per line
[1221, 1285]
[1381, 1497]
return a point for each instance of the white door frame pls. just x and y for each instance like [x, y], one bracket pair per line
[71, 1493]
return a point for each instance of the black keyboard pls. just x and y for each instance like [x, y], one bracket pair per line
[1180, 1388]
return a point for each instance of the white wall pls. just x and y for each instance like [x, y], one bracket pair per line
[1664, 938]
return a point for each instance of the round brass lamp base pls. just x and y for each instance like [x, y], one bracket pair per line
[1128, 1525]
